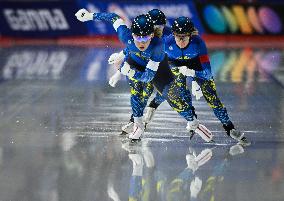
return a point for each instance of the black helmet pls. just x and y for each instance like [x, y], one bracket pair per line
[157, 16]
[183, 25]
[142, 25]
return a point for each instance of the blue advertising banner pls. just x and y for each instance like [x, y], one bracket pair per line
[40, 19]
[56, 19]
[130, 9]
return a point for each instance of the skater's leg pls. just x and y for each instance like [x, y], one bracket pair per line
[154, 104]
[208, 88]
[174, 96]
[157, 101]
[147, 91]
[136, 97]
[180, 81]
[137, 104]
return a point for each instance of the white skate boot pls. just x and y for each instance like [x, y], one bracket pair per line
[138, 130]
[149, 115]
[195, 127]
[235, 134]
[128, 127]
[239, 136]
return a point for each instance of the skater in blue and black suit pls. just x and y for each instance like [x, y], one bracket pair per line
[188, 57]
[147, 62]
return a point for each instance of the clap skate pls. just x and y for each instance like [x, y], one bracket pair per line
[237, 135]
[128, 127]
[138, 131]
[195, 127]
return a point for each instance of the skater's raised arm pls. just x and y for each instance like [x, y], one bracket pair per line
[118, 23]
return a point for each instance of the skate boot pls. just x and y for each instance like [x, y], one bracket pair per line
[138, 130]
[235, 134]
[192, 126]
[128, 127]
[239, 136]
[149, 115]
[195, 127]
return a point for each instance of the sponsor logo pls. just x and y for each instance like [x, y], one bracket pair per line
[36, 19]
[170, 10]
[242, 19]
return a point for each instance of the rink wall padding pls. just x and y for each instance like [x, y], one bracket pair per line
[212, 41]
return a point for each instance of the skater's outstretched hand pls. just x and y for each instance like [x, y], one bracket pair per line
[114, 79]
[116, 58]
[186, 71]
[126, 70]
[196, 90]
[83, 15]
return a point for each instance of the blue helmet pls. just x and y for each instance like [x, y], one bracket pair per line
[157, 16]
[142, 25]
[183, 25]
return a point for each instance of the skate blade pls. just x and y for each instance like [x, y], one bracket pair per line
[244, 144]
[135, 141]
[212, 141]
[191, 134]
[123, 133]
[145, 126]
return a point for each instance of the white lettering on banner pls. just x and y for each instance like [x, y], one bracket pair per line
[36, 20]
[171, 10]
[35, 65]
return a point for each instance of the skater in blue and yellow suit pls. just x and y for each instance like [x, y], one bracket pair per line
[188, 57]
[146, 62]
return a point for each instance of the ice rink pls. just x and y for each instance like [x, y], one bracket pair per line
[60, 123]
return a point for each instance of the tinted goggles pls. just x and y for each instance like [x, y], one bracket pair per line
[142, 39]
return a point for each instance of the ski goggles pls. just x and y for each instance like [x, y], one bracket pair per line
[142, 39]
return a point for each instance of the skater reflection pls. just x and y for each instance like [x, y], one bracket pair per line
[142, 182]
[151, 176]
[187, 185]
[217, 176]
